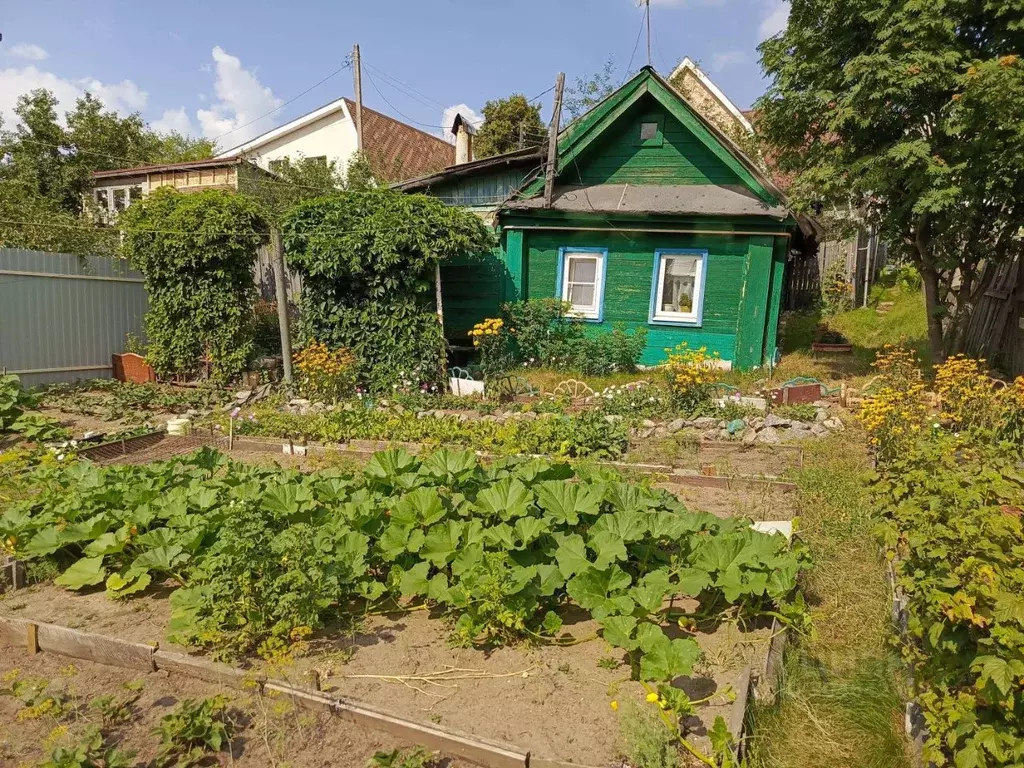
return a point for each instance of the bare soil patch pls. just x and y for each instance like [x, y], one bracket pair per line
[553, 700]
[271, 730]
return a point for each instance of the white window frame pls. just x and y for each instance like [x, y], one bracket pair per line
[695, 317]
[566, 255]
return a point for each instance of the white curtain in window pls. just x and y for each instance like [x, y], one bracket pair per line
[678, 284]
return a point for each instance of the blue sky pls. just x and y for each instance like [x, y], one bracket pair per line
[209, 68]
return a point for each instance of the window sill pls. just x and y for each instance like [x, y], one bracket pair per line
[681, 322]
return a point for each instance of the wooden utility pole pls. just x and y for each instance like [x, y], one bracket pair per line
[357, 73]
[281, 292]
[522, 135]
[549, 173]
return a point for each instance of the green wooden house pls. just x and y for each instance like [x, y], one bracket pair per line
[656, 220]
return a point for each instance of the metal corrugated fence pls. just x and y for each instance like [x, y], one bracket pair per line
[63, 316]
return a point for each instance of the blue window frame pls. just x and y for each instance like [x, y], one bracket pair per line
[677, 287]
[581, 280]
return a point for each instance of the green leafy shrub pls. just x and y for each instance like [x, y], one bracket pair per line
[542, 333]
[197, 252]
[367, 259]
[32, 426]
[952, 527]
[836, 290]
[416, 757]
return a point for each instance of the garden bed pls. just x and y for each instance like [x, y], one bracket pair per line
[273, 731]
[553, 701]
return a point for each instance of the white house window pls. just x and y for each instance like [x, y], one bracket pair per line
[134, 194]
[678, 287]
[583, 282]
[102, 202]
[120, 199]
[648, 131]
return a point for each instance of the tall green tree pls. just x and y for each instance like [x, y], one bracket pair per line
[587, 91]
[53, 160]
[910, 112]
[507, 123]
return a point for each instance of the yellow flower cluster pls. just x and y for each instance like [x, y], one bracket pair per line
[968, 397]
[895, 415]
[689, 368]
[325, 374]
[691, 374]
[489, 327]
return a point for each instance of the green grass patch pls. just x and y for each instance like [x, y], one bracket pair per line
[841, 696]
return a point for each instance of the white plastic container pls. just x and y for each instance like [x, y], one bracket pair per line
[179, 426]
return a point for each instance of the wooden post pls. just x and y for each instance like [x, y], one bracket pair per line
[32, 638]
[281, 292]
[357, 72]
[549, 173]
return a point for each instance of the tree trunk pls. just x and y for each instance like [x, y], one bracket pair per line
[933, 307]
[933, 304]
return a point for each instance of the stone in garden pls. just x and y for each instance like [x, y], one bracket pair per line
[648, 423]
[298, 402]
[612, 418]
[722, 424]
[821, 414]
[711, 434]
[724, 434]
[834, 424]
[750, 436]
[398, 409]
[771, 420]
[528, 415]
[705, 422]
[769, 435]
[820, 430]
[757, 422]
[821, 403]
[243, 395]
[794, 424]
[797, 433]
[660, 432]
[419, 414]
[675, 425]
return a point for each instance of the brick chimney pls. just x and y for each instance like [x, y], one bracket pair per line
[463, 131]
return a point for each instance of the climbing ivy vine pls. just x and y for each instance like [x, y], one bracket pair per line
[367, 259]
[197, 252]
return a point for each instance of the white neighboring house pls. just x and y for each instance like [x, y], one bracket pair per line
[396, 151]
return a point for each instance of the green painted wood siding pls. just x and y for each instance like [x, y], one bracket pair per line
[618, 157]
[481, 190]
[472, 288]
[630, 273]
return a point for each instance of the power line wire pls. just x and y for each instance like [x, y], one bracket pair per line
[342, 68]
[636, 46]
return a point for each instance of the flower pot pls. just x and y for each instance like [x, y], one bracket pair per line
[131, 367]
[839, 349]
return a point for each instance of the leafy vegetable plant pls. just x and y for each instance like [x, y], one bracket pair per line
[262, 556]
[192, 730]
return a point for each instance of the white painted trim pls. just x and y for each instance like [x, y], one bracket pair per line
[282, 130]
[688, 64]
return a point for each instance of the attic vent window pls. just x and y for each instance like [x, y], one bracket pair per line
[651, 132]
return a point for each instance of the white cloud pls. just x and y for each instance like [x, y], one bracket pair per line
[29, 51]
[727, 59]
[124, 97]
[776, 20]
[448, 119]
[242, 101]
[174, 121]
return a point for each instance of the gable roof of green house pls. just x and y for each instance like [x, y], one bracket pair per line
[657, 223]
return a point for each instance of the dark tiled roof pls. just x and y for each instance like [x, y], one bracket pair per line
[397, 151]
